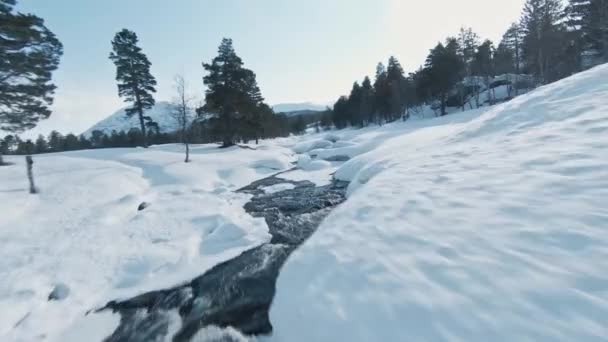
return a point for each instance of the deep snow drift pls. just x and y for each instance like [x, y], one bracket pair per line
[481, 226]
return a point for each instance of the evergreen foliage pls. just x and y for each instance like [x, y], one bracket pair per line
[135, 82]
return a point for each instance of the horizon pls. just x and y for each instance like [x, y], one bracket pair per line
[315, 61]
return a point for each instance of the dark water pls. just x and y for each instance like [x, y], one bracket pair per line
[237, 293]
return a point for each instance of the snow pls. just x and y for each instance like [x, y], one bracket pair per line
[483, 225]
[278, 188]
[310, 145]
[489, 225]
[84, 232]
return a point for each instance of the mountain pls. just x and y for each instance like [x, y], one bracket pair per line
[298, 107]
[119, 121]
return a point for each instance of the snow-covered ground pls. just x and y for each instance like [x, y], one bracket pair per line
[83, 230]
[489, 225]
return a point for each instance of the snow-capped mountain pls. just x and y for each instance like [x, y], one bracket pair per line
[299, 107]
[160, 113]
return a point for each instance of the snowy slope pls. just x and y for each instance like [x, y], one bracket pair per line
[84, 231]
[480, 226]
[119, 121]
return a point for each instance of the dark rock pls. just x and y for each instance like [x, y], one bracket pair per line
[143, 206]
[60, 292]
[338, 158]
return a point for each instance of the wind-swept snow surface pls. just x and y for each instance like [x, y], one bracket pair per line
[474, 227]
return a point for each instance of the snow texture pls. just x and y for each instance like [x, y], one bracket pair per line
[83, 239]
[489, 225]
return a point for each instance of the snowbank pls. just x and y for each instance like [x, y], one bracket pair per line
[481, 227]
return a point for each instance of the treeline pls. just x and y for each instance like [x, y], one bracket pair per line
[549, 42]
[198, 132]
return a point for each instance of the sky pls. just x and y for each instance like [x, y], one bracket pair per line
[301, 50]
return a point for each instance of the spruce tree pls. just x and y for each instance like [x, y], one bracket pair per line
[55, 141]
[355, 100]
[443, 70]
[395, 79]
[483, 66]
[468, 42]
[232, 95]
[595, 27]
[367, 102]
[382, 95]
[135, 82]
[40, 145]
[542, 25]
[29, 53]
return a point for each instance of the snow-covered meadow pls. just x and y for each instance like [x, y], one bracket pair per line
[485, 225]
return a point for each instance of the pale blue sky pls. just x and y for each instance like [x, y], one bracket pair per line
[301, 50]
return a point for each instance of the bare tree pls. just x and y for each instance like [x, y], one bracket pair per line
[182, 112]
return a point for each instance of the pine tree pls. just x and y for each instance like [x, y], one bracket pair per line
[29, 53]
[340, 112]
[135, 83]
[443, 70]
[395, 78]
[40, 145]
[355, 100]
[541, 24]
[367, 102]
[97, 139]
[232, 95]
[382, 95]
[512, 40]
[55, 141]
[468, 42]
[595, 27]
[483, 66]
[70, 143]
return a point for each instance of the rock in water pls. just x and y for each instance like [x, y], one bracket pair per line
[60, 292]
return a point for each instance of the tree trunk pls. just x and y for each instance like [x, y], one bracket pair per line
[187, 153]
[143, 128]
[30, 174]
[443, 105]
[140, 112]
[1, 159]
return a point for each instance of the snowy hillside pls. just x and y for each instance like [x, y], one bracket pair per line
[487, 225]
[120, 122]
[480, 226]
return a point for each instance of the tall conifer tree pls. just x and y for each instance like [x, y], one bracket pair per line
[135, 82]
[29, 53]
